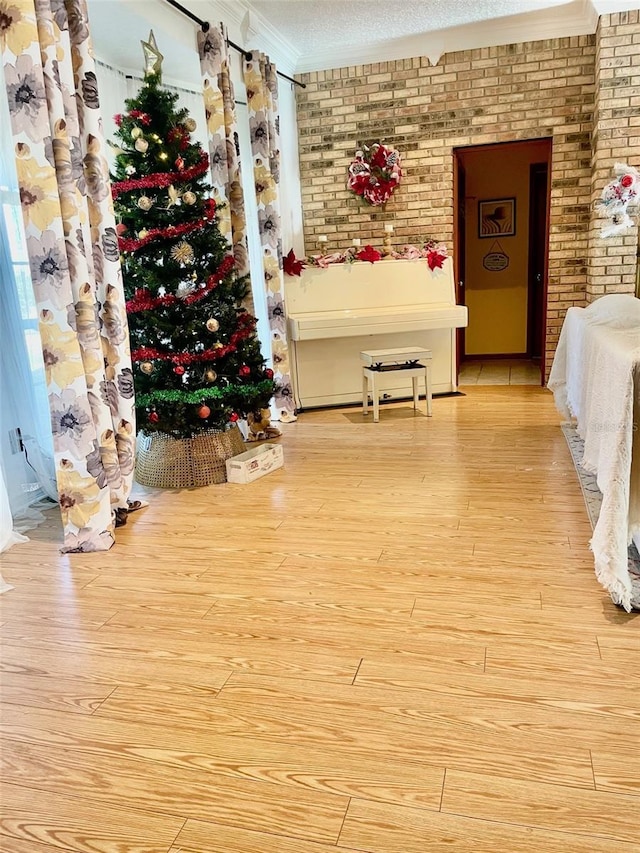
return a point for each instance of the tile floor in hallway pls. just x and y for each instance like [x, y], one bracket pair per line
[518, 371]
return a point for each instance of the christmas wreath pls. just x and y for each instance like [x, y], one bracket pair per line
[374, 173]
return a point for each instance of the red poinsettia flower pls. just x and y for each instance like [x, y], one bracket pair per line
[292, 265]
[435, 259]
[369, 254]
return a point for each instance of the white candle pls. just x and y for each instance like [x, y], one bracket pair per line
[357, 241]
[388, 227]
[322, 238]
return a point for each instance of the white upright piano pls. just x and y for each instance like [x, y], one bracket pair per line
[335, 313]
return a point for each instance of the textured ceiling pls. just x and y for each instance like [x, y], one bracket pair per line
[309, 35]
[341, 24]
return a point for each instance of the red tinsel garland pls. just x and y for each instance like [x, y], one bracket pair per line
[246, 324]
[144, 301]
[129, 244]
[161, 179]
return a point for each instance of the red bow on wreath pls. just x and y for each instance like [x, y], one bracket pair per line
[374, 173]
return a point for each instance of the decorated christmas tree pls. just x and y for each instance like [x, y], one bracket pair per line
[197, 361]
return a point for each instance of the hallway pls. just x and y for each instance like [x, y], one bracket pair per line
[497, 371]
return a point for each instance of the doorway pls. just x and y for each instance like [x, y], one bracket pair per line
[501, 199]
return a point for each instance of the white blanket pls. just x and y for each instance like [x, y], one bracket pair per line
[595, 378]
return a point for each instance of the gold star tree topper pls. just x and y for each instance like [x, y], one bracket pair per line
[152, 57]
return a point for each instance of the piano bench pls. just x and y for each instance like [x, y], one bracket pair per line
[406, 359]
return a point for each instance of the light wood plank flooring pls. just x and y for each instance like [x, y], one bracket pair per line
[396, 644]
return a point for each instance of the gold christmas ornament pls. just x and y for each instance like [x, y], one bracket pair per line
[190, 124]
[182, 253]
[189, 197]
[213, 325]
[136, 133]
[142, 234]
[145, 203]
[218, 345]
[141, 145]
[146, 367]
[210, 375]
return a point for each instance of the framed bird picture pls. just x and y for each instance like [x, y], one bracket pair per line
[497, 217]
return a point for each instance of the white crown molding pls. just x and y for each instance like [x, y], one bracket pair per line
[572, 19]
[267, 39]
[252, 31]
[231, 12]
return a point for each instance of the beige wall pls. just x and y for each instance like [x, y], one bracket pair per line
[500, 94]
[497, 300]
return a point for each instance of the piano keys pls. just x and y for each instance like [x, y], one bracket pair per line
[335, 313]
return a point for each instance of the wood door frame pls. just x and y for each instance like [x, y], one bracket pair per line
[458, 253]
[459, 261]
[536, 169]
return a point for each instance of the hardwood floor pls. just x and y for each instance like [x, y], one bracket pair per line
[395, 644]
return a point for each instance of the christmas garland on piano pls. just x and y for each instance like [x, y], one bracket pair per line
[434, 253]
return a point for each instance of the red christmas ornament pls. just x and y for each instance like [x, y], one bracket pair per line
[268, 373]
[179, 164]
[244, 370]
[233, 417]
[121, 229]
[626, 181]
[204, 412]
[178, 369]
[154, 417]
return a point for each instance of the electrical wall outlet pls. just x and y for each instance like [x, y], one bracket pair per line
[15, 440]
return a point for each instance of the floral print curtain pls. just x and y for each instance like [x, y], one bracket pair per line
[75, 266]
[224, 148]
[264, 125]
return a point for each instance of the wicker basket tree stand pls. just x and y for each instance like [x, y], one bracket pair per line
[164, 462]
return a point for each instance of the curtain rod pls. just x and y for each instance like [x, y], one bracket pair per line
[245, 53]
